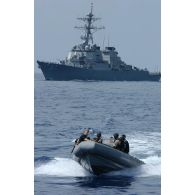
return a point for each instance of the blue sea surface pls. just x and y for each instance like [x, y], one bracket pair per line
[63, 108]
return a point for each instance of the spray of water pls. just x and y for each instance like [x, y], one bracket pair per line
[151, 167]
[65, 167]
[62, 167]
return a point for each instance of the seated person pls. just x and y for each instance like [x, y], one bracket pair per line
[126, 144]
[98, 138]
[119, 144]
[116, 136]
[83, 137]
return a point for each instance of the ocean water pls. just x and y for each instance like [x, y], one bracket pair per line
[63, 108]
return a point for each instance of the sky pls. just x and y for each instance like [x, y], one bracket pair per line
[132, 26]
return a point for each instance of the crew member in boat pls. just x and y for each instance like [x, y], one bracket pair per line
[119, 144]
[116, 137]
[113, 139]
[126, 144]
[84, 136]
[98, 138]
[122, 144]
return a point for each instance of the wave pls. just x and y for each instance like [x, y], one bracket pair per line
[43, 159]
[62, 167]
[152, 166]
[43, 124]
[66, 167]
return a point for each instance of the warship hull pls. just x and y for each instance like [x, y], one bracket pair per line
[62, 72]
[100, 158]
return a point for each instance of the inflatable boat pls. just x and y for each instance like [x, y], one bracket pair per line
[102, 158]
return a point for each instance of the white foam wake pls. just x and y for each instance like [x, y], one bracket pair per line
[152, 167]
[62, 167]
[65, 167]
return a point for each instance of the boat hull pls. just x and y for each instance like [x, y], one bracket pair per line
[100, 158]
[59, 72]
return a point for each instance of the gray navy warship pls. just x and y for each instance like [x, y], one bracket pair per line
[87, 61]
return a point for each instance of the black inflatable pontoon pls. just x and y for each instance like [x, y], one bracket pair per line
[101, 158]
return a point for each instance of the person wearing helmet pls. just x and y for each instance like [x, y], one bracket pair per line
[126, 144]
[98, 138]
[116, 136]
[115, 140]
[119, 144]
[84, 136]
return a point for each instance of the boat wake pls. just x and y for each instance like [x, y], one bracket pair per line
[66, 167]
[151, 167]
[62, 167]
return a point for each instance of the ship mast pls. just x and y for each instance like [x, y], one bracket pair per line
[89, 28]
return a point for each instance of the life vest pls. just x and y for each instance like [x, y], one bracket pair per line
[120, 145]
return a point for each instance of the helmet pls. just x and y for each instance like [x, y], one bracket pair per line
[124, 136]
[116, 135]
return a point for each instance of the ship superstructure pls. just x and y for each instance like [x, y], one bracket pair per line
[92, 62]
